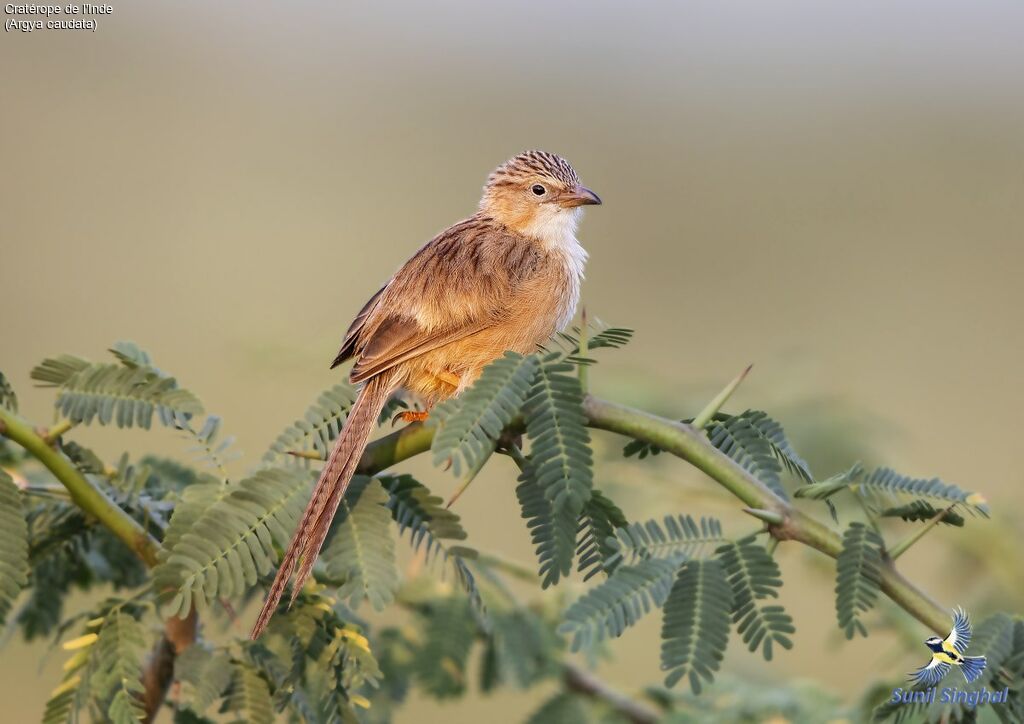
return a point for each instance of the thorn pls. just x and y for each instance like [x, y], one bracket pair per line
[306, 454]
[456, 495]
[470, 477]
[705, 416]
[768, 516]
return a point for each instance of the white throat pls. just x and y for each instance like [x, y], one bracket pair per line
[555, 228]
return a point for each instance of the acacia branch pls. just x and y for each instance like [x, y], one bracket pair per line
[84, 493]
[693, 446]
[685, 442]
[677, 438]
[178, 633]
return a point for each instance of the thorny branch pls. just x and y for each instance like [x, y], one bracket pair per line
[786, 523]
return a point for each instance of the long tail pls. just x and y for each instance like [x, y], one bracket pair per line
[972, 667]
[330, 488]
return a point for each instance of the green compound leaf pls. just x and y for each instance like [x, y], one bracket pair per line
[738, 438]
[415, 509]
[361, 551]
[695, 627]
[754, 576]
[858, 577]
[203, 674]
[884, 487]
[231, 543]
[249, 695]
[562, 708]
[126, 394]
[553, 531]
[560, 456]
[117, 676]
[317, 429]
[440, 663]
[595, 546]
[13, 544]
[680, 536]
[628, 595]
[922, 510]
[472, 422]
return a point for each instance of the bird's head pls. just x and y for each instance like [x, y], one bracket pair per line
[933, 641]
[537, 194]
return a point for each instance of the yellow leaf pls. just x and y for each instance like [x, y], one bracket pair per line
[360, 701]
[355, 638]
[76, 660]
[66, 686]
[80, 643]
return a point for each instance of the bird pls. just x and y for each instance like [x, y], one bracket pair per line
[504, 279]
[949, 652]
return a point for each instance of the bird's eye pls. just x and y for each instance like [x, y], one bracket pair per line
[538, 190]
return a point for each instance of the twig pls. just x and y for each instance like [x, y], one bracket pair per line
[689, 444]
[85, 494]
[512, 568]
[583, 367]
[57, 430]
[584, 682]
[904, 545]
[685, 442]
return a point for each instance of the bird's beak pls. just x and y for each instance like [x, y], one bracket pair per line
[579, 196]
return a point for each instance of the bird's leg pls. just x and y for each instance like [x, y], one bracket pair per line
[445, 379]
[410, 416]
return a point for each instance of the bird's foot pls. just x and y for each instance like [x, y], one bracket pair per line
[410, 416]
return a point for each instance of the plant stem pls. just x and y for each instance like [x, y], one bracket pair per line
[686, 443]
[512, 568]
[584, 682]
[689, 444]
[904, 545]
[85, 494]
[855, 491]
[583, 368]
[57, 430]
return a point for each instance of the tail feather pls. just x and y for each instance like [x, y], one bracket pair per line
[337, 472]
[972, 667]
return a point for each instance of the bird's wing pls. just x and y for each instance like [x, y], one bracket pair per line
[455, 286]
[399, 339]
[931, 674]
[348, 344]
[960, 637]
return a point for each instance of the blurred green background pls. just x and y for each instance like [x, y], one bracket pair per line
[833, 192]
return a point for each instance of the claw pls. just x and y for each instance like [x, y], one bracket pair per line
[410, 416]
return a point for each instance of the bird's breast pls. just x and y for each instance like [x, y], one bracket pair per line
[569, 258]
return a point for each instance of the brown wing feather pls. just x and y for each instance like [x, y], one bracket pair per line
[348, 344]
[398, 340]
[453, 287]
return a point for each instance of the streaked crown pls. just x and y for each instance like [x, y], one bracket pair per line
[531, 164]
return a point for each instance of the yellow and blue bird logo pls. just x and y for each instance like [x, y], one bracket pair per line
[949, 652]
